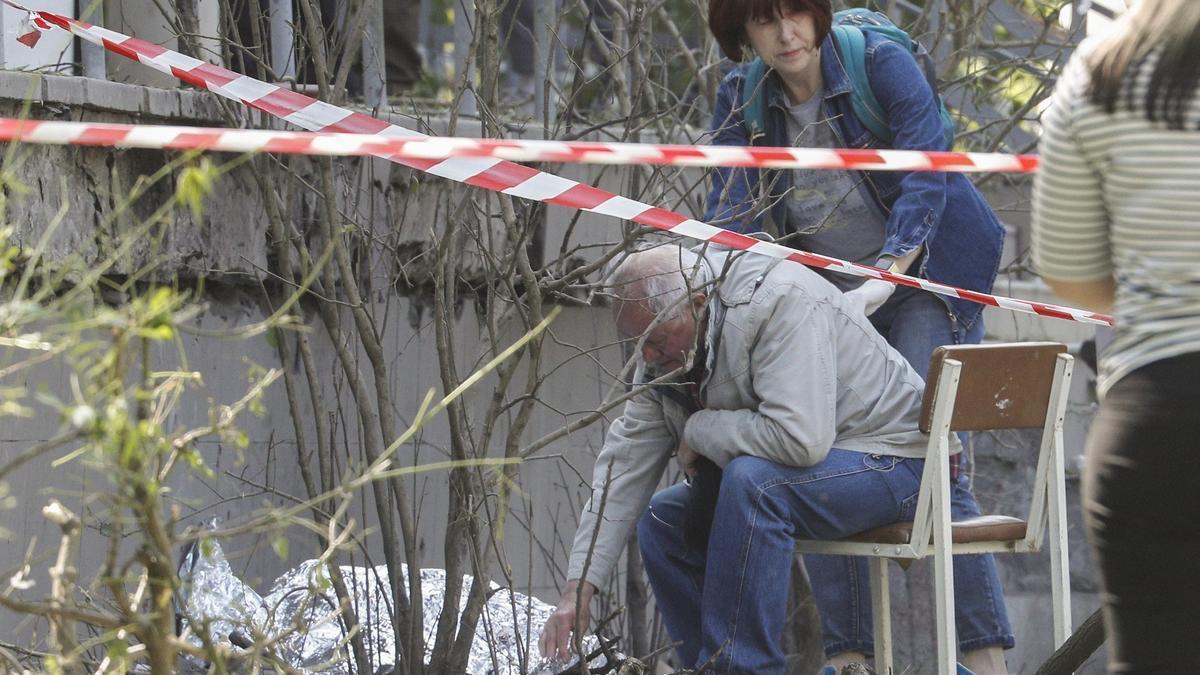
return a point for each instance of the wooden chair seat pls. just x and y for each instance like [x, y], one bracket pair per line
[982, 528]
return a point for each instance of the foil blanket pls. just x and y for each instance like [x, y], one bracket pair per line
[299, 615]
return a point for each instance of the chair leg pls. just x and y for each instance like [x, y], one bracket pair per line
[881, 610]
[1060, 566]
[947, 640]
[943, 568]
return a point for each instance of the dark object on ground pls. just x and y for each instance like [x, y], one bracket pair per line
[702, 504]
[1078, 648]
[613, 664]
[1087, 353]
[251, 56]
[402, 60]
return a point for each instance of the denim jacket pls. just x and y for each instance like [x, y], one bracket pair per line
[962, 236]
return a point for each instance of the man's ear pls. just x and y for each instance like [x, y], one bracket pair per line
[698, 300]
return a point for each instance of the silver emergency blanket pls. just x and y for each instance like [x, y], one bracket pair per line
[299, 615]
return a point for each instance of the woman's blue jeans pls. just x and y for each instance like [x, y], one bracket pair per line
[727, 606]
[915, 323]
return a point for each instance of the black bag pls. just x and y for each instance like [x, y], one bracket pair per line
[701, 505]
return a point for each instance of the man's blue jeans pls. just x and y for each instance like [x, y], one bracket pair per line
[726, 607]
[915, 322]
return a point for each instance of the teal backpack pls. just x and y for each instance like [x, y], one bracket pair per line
[849, 27]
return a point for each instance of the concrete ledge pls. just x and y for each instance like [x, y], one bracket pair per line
[68, 90]
[163, 103]
[20, 86]
[114, 96]
[173, 105]
[187, 105]
[74, 91]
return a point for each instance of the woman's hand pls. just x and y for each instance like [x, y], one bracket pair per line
[870, 296]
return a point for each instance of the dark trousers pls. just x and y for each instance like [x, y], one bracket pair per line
[1141, 494]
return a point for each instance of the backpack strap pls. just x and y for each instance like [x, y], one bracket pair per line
[754, 100]
[852, 48]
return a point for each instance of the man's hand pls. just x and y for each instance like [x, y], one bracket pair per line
[686, 458]
[870, 296]
[556, 634]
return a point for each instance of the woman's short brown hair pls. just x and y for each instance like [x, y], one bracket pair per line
[727, 19]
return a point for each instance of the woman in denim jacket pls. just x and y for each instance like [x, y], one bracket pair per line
[930, 224]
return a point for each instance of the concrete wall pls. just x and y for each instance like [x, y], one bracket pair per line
[228, 247]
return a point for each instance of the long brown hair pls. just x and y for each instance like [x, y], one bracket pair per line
[1158, 38]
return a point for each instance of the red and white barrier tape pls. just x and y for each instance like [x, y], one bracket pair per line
[493, 173]
[319, 143]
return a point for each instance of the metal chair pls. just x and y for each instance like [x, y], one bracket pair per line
[976, 388]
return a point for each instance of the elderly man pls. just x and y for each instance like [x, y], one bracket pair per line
[808, 411]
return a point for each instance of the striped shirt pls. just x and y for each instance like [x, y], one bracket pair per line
[1118, 195]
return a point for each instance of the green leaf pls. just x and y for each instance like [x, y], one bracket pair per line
[118, 649]
[323, 582]
[195, 183]
[193, 459]
[279, 544]
[14, 409]
[160, 333]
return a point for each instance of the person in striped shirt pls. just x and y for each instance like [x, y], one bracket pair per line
[1116, 227]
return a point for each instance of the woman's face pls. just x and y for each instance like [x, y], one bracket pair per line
[787, 41]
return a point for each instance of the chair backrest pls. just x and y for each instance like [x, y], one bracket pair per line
[1001, 386]
[998, 386]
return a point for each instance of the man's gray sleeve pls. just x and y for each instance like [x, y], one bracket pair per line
[637, 448]
[793, 373]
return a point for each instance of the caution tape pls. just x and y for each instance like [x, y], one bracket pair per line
[660, 154]
[429, 147]
[492, 172]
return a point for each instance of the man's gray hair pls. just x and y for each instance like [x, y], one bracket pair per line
[662, 278]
